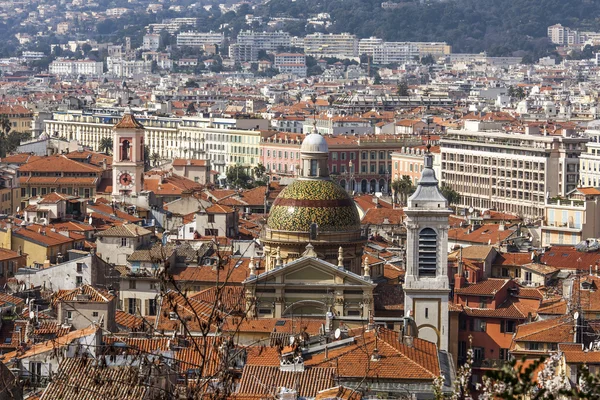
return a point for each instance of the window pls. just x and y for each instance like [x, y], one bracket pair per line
[131, 306]
[79, 267]
[478, 353]
[264, 311]
[69, 314]
[123, 242]
[510, 326]
[132, 284]
[528, 276]
[533, 346]
[153, 285]
[191, 230]
[342, 155]
[95, 314]
[478, 325]
[504, 273]
[211, 218]
[352, 156]
[504, 354]
[35, 369]
[462, 349]
[151, 307]
[427, 252]
[426, 313]
[78, 281]
[334, 155]
[211, 232]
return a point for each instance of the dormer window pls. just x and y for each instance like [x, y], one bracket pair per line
[427, 252]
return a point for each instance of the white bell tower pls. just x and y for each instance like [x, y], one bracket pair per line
[426, 284]
[128, 157]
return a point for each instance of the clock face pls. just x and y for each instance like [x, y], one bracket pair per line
[125, 179]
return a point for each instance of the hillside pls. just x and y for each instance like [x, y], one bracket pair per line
[500, 27]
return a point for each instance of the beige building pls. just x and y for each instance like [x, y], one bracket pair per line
[342, 45]
[572, 219]
[20, 118]
[85, 306]
[511, 172]
[196, 170]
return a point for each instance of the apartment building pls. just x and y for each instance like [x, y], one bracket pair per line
[367, 46]
[291, 63]
[342, 45]
[223, 141]
[357, 163]
[564, 36]
[243, 52]
[572, 219]
[151, 42]
[19, 117]
[63, 67]
[512, 172]
[395, 52]
[589, 161]
[409, 161]
[338, 125]
[268, 41]
[200, 38]
[433, 48]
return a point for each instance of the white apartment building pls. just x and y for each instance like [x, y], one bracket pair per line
[151, 42]
[200, 38]
[224, 141]
[589, 161]
[291, 63]
[243, 52]
[63, 67]
[511, 172]
[116, 12]
[268, 41]
[128, 68]
[367, 46]
[343, 45]
[433, 48]
[395, 52]
[564, 36]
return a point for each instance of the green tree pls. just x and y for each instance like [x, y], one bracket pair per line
[155, 158]
[238, 177]
[450, 194]
[402, 188]
[5, 128]
[427, 60]
[191, 84]
[402, 89]
[259, 174]
[106, 145]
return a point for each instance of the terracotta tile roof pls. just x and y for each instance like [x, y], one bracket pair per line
[231, 297]
[90, 156]
[486, 234]
[366, 202]
[487, 287]
[219, 209]
[576, 353]
[194, 313]
[128, 122]
[129, 321]
[512, 308]
[208, 273]
[512, 259]
[564, 257]
[591, 191]
[476, 252]
[266, 381]
[136, 345]
[50, 345]
[7, 254]
[127, 230]
[103, 211]
[339, 393]
[20, 158]
[181, 162]
[92, 295]
[379, 216]
[553, 330]
[58, 163]
[557, 306]
[78, 377]
[540, 268]
[398, 361]
[41, 235]
[54, 198]
[51, 329]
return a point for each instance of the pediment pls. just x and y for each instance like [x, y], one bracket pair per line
[310, 270]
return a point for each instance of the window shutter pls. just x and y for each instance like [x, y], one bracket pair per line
[146, 307]
[138, 306]
[121, 304]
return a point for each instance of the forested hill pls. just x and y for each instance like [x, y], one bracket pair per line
[499, 26]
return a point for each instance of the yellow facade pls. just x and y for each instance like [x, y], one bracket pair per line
[10, 199]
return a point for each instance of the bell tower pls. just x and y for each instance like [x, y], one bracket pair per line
[426, 286]
[128, 157]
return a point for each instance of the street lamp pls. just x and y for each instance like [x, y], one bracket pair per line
[351, 172]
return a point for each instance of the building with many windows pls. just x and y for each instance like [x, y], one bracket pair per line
[268, 41]
[589, 161]
[510, 171]
[291, 63]
[342, 45]
[200, 38]
[64, 67]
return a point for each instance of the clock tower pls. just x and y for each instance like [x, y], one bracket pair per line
[128, 157]
[426, 283]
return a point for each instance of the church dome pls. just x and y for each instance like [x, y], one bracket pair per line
[305, 202]
[314, 143]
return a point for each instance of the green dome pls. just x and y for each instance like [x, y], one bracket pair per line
[313, 201]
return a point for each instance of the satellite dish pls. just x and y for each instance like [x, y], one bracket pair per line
[18, 208]
[292, 340]
[409, 313]
[90, 220]
[471, 209]
[31, 314]
[576, 315]
[27, 301]
[337, 333]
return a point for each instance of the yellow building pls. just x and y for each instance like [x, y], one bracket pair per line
[20, 118]
[10, 199]
[42, 245]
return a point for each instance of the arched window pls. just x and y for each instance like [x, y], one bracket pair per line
[427, 252]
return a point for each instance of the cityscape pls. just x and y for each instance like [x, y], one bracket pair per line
[299, 200]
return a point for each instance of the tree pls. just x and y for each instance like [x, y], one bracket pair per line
[259, 174]
[155, 158]
[427, 60]
[402, 89]
[402, 189]
[191, 84]
[106, 145]
[450, 194]
[146, 157]
[238, 177]
[191, 109]
[5, 128]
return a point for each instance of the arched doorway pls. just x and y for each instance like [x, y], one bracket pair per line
[306, 308]
[382, 187]
[373, 185]
[363, 186]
